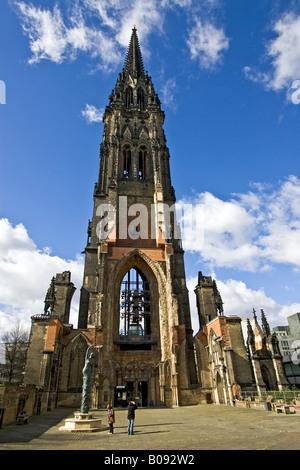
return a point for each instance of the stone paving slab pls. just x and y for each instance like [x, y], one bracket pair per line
[203, 427]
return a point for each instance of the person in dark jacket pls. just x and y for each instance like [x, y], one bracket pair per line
[131, 416]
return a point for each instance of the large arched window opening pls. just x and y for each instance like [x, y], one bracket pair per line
[126, 161]
[76, 364]
[135, 319]
[142, 163]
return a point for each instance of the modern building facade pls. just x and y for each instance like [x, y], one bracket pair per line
[289, 344]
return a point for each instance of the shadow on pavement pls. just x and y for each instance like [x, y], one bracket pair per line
[36, 426]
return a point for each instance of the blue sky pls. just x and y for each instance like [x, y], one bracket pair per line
[228, 76]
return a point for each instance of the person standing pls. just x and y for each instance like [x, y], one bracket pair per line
[131, 416]
[111, 419]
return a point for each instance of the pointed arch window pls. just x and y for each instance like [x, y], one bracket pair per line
[76, 366]
[135, 321]
[128, 97]
[141, 99]
[126, 161]
[142, 163]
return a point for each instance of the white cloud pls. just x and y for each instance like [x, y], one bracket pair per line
[26, 271]
[277, 212]
[25, 275]
[251, 231]
[168, 91]
[46, 32]
[51, 38]
[54, 38]
[106, 10]
[251, 73]
[102, 28]
[285, 51]
[227, 240]
[281, 237]
[207, 43]
[180, 3]
[240, 300]
[284, 54]
[147, 16]
[92, 114]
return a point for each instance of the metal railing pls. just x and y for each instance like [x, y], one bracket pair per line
[286, 395]
[131, 338]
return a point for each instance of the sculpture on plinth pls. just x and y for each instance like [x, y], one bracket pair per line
[84, 421]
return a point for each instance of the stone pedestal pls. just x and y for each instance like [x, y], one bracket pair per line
[83, 422]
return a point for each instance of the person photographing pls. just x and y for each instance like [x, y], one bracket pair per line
[131, 416]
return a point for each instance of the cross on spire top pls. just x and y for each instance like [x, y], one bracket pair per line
[134, 61]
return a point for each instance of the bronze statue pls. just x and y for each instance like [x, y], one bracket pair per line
[87, 382]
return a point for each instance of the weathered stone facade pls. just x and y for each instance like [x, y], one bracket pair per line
[147, 337]
[227, 364]
[134, 300]
[14, 398]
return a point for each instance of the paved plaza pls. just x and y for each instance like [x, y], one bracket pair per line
[203, 427]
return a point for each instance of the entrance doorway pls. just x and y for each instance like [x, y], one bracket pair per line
[132, 391]
[143, 393]
[138, 392]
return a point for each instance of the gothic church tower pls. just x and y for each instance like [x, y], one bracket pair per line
[134, 302]
[134, 290]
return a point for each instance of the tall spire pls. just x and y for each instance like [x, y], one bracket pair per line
[265, 324]
[134, 61]
[250, 337]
